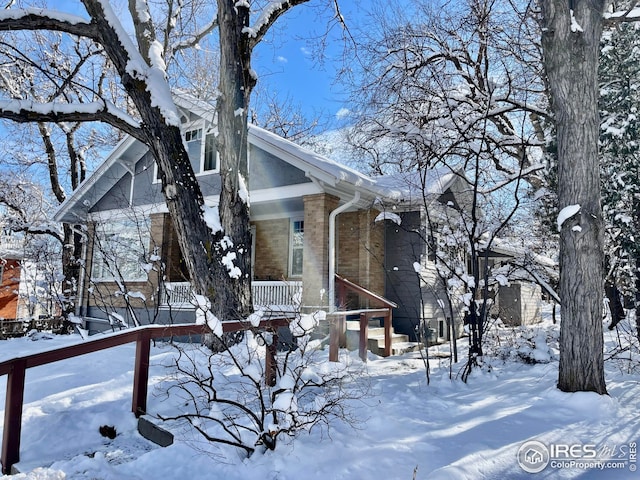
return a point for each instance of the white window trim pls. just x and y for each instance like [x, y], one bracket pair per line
[292, 221]
[205, 132]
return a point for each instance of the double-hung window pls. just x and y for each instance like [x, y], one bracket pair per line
[210, 160]
[202, 150]
[193, 140]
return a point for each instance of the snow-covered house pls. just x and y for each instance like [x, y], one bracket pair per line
[19, 300]
[522, 277]
[311, 218]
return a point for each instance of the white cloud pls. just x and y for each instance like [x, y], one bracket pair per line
[343, 113]
[282, 59]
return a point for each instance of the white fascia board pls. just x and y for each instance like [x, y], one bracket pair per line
[280, 193]
[279, 152]
[131, 212]
[191, 104]
[98, 173]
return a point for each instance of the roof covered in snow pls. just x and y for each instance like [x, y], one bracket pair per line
[328, 175]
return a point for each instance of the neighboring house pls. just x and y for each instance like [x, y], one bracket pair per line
[311, 218]
[25, 292]
[10, 269]
[518, 298]
[19, 299]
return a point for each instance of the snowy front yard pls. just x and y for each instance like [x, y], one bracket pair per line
[407, 429]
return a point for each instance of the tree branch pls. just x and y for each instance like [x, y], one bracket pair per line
[267, 18]
[28, 111]
[196, 37]
[632, 14]
[42, 19]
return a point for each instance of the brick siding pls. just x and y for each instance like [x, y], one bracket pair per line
[272, 249]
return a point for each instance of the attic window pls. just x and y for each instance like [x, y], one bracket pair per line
[202, 151]
[193, 135]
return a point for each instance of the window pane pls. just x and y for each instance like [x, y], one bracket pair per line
[296, 262]
[194, 147]
[298, 234]
[210, 153]
[297, 247]
[120, 250]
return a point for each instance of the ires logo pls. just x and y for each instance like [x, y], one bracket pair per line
[534, 456]
[583, 452]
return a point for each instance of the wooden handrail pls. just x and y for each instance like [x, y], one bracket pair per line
[338, 326]
[354, 287]
[16, 368]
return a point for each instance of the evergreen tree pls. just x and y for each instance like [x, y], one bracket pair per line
[620, 163]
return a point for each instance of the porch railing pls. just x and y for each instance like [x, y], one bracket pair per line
[11, 243]
[270, 294]
[276, 294]
[176, 294]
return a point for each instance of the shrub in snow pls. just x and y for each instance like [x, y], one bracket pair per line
[227, 401]
[537, 344]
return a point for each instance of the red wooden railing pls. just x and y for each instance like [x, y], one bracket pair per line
[338, 319]
[16, 368]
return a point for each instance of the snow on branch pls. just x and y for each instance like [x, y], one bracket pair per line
[43, 19]
[154, 76]
[395, 218]
[121, 50]
[30, 111]
[196, 37]
[632, 14]
[267, 17]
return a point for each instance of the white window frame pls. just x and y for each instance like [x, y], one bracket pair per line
[194, 127]
[292, 224]
[203, 152]
[112, 226]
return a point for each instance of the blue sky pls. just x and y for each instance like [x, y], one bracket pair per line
[287, 62]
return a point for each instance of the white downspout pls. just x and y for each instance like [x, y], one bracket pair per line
[332, 249]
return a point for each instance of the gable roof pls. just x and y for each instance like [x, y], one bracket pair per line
[331, 176]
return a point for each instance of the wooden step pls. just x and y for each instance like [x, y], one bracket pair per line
[399, 342]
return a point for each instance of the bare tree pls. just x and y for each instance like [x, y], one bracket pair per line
[453, 90]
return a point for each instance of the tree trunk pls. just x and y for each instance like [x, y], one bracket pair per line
[203, 250]
[570, 43]
[236, 83]
[71, 256]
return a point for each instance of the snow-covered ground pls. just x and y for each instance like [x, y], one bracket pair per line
[407, 428]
